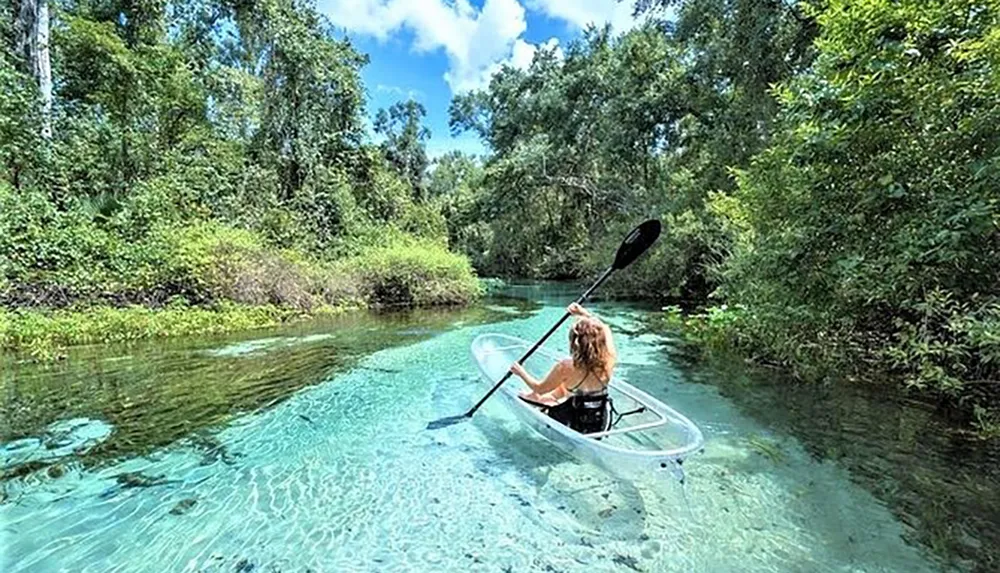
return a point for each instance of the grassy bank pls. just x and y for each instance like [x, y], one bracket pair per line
[42, 333]
[203, 277]
[391, 276]
[904, 366]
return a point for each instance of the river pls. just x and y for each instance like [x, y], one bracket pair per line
[304, 448]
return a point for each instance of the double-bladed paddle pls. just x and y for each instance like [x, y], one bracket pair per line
[636, 243]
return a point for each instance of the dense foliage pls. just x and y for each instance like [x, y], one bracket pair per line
[826, 170]
[872, 219]
[404, 140]
[827, 173]
[208, 151]
[643, 124]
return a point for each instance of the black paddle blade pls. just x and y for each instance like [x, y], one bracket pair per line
[449, 421]
[636, 243]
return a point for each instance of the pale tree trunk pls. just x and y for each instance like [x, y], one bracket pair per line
[44, 68]
[33, 45]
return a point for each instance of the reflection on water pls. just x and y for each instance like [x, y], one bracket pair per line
[304, 448]
[162, 391]
[939, 480]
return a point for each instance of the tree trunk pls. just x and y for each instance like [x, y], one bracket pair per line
[44, 68]
[32, 42]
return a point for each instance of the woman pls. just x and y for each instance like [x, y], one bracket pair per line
[575, 391]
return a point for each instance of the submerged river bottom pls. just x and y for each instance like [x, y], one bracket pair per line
[308, 451]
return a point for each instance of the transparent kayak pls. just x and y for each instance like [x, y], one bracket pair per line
[657, 438]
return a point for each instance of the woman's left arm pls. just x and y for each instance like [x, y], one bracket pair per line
[523, 374]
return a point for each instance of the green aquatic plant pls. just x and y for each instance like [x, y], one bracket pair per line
[766, 447]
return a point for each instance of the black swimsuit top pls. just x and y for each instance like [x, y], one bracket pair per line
[602, 392]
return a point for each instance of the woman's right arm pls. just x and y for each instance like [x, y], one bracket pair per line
[551, 381]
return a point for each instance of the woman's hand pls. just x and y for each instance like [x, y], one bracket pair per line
[577, 310]
[518, 370]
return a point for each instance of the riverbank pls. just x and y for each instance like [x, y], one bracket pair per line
[732, 331]
[210, 279]
[44, 333]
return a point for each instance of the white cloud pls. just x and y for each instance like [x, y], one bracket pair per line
[474, 40]
[400, 92]
[581, 13]
[477, 41]
[521, 55]
[523, 52]
[497, 27]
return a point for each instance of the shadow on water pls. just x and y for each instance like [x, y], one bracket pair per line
[935, 478]
[155, 393]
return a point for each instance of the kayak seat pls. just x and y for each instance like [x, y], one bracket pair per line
[589, 416]
[584, 413]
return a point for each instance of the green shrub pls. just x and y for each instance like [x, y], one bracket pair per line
[57, 257]
[209, 262]
[383, 195]
[413, 272]
[84, 260]
[48, 255]
[42, 332]
[424, 221]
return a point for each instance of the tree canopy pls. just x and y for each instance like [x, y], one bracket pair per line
[405, 139]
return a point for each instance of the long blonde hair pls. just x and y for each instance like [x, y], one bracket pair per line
[591, 349]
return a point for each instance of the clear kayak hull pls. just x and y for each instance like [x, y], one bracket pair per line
[657, 438]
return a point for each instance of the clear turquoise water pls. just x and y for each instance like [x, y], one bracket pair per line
[307, 451]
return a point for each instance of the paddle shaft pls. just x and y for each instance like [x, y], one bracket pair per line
[541, 341]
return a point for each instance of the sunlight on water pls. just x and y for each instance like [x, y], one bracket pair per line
[75, 436]
[339, 474]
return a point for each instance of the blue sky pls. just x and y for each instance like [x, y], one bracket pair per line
[432, 49]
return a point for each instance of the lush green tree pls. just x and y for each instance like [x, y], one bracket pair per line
[647, 123]
[571, 152]
[735, 51]
[31, 44]
[312, 91]
[20, 123]
[405, 140]
[135, 101]
[455, 185]
[870, 223]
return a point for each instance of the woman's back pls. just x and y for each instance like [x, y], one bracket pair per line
[581, 380]
[574, 391]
